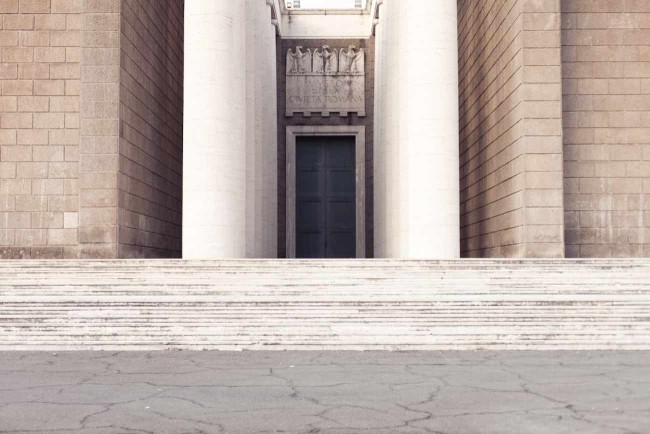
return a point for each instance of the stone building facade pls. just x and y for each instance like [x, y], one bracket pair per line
[160, 128]
[91, 128]
[553, 131]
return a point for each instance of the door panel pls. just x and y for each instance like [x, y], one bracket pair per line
[310, 182]
[325, 197]
[340, 182]
[338, 216]
[341, 245]
[310, 244]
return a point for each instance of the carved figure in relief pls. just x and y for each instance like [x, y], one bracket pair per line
[299, 62]
[325, 61]
[352, 61]
[331, 60]
[319, 62]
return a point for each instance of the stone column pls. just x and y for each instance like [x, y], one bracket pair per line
[269, 136]
[214, 168]
[380, 146]
[261, 132]
[252, 133]
[419, 213]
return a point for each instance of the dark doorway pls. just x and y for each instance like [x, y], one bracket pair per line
[325, 197]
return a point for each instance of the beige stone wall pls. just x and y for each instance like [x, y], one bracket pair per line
[39, 128]
[151, 128]
[91, 128]
[606, 72]
[98, 164]
[510, 128]
[87, 165]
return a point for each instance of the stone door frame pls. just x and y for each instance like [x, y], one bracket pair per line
[359, 134]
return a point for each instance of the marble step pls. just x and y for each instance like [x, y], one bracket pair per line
[340, 304]
[274, 265]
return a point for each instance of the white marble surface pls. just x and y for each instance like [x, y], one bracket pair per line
[229, 210]
[326, 24]
[325, 304]
[230, 168]
[214, 176]
[416, 94]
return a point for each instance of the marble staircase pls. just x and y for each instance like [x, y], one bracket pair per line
[333, 305]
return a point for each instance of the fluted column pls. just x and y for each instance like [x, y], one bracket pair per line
[214, 169]
[418, 130]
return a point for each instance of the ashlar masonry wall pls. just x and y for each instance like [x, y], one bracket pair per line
[39, 128]
[151, 128]
[99, 164]
[606, 87]
[131, 165]
[510, 128]
[90, 128]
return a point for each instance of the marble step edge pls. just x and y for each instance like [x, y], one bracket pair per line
[479, 346]
[504, 334]
[372, 329]
[203, 279]
[387, 270]
[505, 315]
[313, 288]
[270, 267]
[360, 261]
[334, 289]
[327, 298]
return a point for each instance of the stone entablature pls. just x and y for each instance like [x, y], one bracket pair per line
[326, 80]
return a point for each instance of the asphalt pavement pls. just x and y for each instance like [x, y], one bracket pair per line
[325, 392]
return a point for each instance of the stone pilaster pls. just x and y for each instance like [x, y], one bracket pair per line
[510, 128]
[99, 149]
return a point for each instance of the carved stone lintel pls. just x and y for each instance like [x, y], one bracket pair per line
[326, 61]
[299, 62]
[325, 81]
[351, 61]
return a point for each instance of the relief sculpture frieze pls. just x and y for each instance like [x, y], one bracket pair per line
[325, 80]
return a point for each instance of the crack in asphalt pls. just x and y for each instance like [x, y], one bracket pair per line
[323, 392]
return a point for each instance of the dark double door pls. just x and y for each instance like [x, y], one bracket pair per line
[325, 197]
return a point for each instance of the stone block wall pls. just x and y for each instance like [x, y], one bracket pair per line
[39, 128]
[606, 87]
[98, 165]
[151, 128]
[510, 128]
[90, 128]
